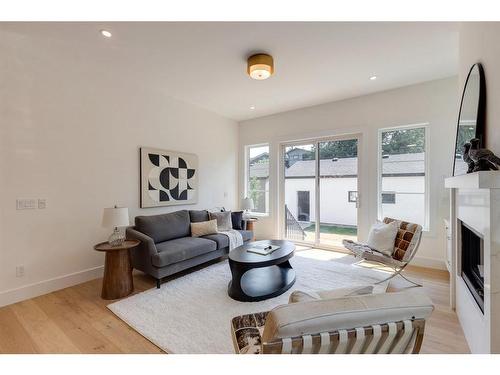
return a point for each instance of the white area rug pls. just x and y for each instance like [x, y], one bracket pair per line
[192, 314]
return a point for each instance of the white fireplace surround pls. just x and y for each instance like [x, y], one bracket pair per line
[475, 200]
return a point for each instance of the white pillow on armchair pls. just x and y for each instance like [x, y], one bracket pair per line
[382, 237]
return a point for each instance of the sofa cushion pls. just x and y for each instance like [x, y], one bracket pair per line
[198, 215]
[221, 239]
[223, 220]
[202, 228]
[164, 227]
[174, 251]
[237, 219]
[246, 234]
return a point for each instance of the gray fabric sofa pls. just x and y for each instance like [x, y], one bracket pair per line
[167, 246]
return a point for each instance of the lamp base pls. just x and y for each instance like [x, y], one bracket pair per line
[116, 238]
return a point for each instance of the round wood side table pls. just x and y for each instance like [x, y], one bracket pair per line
[117, 281]
[250, 225]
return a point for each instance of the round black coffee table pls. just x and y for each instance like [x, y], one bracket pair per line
[258, 277]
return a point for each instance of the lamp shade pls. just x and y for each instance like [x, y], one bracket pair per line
[247, 204]
[115, 217]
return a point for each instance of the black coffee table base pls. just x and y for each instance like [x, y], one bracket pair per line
[250, 284]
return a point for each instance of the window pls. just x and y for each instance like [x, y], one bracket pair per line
[388, 198]
[257, 177]
[403, 174]
[352, 196]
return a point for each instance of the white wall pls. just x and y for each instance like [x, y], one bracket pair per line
[480, 42]
[71, 128]
[433, 102]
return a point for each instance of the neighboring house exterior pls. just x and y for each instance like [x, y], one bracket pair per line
[259, 158]
[403, 187]
[297, 154]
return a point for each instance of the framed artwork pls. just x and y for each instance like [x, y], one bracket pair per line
[168, 178]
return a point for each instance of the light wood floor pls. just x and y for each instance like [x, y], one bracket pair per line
[76, 320]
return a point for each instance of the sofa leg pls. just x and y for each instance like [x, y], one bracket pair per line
[158, 282]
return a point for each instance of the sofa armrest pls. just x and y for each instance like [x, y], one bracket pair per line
[147, 245]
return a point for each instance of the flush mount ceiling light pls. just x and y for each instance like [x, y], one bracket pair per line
[260, 66]
[106, 33]
[373, 78]
[252, 107]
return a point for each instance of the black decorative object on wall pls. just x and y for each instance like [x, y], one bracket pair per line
[168, 178]
[471, 118]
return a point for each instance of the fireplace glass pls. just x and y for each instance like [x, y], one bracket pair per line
[473, 262]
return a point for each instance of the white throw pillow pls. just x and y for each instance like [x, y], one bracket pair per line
[224, 221]
[203, 228]
[382, 237]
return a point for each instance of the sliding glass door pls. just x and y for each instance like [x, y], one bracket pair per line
[320, 190]
[300, 191]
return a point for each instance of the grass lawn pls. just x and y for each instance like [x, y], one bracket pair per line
[332, 229]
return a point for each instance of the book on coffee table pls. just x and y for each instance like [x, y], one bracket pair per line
[262, 249]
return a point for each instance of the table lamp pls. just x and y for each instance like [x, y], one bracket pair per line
[115, 217]
[247, 204]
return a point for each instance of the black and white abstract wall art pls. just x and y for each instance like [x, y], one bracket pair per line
[168, 178]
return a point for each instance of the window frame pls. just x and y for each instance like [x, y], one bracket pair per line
[247, 177]
[425, 125]
[349, 200]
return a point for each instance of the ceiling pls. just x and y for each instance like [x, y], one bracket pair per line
[205, 63]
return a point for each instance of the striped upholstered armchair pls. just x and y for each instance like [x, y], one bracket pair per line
[358, 324]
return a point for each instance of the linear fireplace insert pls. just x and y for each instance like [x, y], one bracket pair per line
[473, 262]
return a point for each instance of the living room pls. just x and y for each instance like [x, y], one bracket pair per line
[228, 187]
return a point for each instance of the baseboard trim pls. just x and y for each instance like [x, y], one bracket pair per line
[429, 263]
[25, 292]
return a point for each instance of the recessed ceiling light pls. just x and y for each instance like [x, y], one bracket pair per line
[252, 107]
[373, 78]
[106, 33]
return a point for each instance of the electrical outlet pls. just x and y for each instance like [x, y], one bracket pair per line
[26, 204]
[20, 271]
[42, 203]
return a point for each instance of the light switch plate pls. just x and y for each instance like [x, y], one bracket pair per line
[26, 204]
[20, 271]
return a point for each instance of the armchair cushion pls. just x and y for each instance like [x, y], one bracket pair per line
[300, 296]
[329, 315]
[369, 254]
[407, 239]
